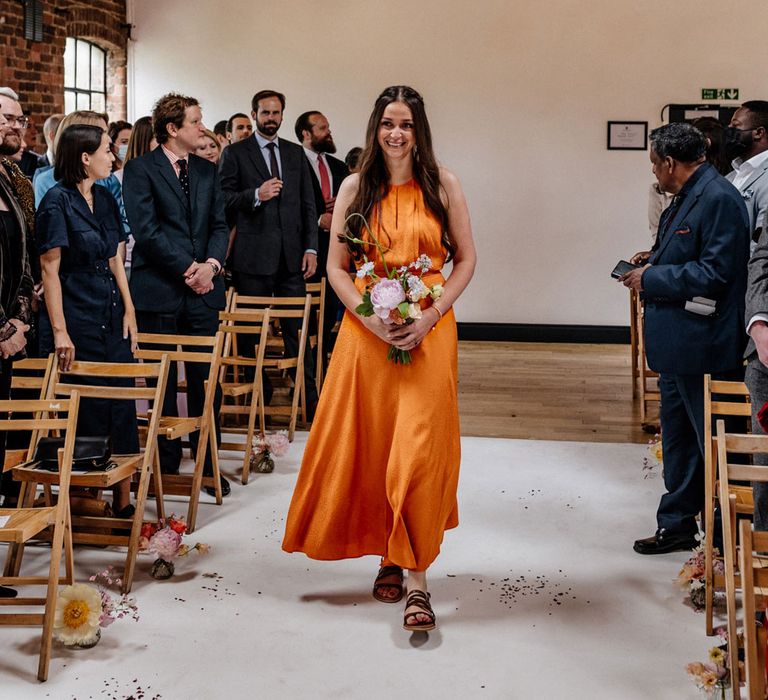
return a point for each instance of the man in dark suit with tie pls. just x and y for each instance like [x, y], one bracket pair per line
[314, 134]
[176, 211]
[693, 284]
[267, 186]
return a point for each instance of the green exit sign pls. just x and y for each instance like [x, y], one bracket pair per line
[719, 93]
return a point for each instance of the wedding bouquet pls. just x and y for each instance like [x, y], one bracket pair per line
[714, 675]
[266, 445]
[394, 299]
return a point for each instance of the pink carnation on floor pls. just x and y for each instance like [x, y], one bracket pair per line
[165, 544]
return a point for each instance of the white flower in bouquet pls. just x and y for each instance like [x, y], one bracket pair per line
[436, 291]
[78, 614]
[414, 311]
[417, 290]
[365, 270]
[423, 263]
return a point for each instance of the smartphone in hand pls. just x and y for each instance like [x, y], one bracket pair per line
[622, 268]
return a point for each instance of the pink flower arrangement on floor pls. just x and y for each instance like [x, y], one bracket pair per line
[714, 676]
[164, 540]
[113, 608]
[265, 445]
[395, 298]
[691, 576]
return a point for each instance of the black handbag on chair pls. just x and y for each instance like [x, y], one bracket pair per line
[91, 453]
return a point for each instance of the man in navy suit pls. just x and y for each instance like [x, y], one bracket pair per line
[693, 284]
[176, 211]
[267, 185]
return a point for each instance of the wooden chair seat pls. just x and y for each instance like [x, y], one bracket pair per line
[127, 466]
[173, 427]
[25, 523]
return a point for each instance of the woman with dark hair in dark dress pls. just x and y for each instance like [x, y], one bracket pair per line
[89, 314]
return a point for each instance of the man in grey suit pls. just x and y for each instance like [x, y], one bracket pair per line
[756, 376]
[267, 186]
[746, 142]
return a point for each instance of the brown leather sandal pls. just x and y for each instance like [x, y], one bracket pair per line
[420, 600]
[378, 584]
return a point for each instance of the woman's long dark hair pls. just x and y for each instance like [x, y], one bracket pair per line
[374, 178]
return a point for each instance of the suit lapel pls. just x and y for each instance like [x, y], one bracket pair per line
[194, 179]
[688, 203]
[81, 206]
[168, 173]
[257, 158]
[286, 158]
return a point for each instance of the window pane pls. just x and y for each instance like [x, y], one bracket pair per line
[98, 103]
[69, 101]
[97, 69]
[83, 65]
[69, 63]
[83, 100]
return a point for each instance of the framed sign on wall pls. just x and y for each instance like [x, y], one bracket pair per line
[627, 136]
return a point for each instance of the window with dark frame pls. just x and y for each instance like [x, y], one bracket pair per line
[85, 76]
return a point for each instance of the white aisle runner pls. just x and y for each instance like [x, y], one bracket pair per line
[538, 595]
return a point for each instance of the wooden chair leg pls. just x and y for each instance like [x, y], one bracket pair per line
[69, 559]
[26, 500]
[197, 479]
[213, 446]
[709, 553]
[157, 482]
[255, 406]
[50, 600]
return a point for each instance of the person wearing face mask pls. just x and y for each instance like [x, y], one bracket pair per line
[746, 144]
[120, 134]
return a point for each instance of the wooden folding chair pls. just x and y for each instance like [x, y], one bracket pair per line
[728, 472]
[188, 348]
[26, 523]
[317, 291]
[275, 359]
[648, 379]
[754, 589]
[733, 400]
[235, 385]
[133, 466]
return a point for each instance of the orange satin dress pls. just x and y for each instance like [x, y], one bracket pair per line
[381, 465]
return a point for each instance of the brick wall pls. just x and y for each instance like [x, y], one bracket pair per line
[36, 69]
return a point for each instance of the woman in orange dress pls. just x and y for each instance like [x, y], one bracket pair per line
[381, 465]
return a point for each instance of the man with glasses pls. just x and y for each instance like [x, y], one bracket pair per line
[16, 285]
[27, 160]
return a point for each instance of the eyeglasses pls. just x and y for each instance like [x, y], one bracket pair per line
[22, 121]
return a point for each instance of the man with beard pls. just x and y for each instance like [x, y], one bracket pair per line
[314, 133]
[267, 185]
[16, 285]
[746, 143]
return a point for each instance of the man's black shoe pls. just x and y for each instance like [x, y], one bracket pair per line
[665, 541]
[226, 489]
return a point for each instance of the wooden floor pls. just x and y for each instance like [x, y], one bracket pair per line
[548, 391]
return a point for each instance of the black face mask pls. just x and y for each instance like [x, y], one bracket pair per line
[737, 141]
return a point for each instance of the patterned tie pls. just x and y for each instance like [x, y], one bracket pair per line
[273, 167]
[325, 181]
[184, 176]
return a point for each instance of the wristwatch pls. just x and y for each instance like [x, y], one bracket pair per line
[216, 269]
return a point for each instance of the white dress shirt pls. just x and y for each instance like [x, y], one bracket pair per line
[745, 169]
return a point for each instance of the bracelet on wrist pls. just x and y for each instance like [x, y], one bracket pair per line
[439, 313]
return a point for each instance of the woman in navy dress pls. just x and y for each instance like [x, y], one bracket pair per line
[88, 311]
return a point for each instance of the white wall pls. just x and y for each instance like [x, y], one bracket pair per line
[518, 94]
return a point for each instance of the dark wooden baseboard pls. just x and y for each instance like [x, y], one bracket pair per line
[543, 333]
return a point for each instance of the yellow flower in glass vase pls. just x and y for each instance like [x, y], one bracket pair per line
[78, 611]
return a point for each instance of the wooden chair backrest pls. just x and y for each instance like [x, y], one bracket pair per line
[155, 372]
[754, 588]
[48, 419]
[733, 400]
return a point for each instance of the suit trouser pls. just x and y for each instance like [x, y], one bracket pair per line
[193, 317]
[756, 380]
[280, 284]
[682, 439]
